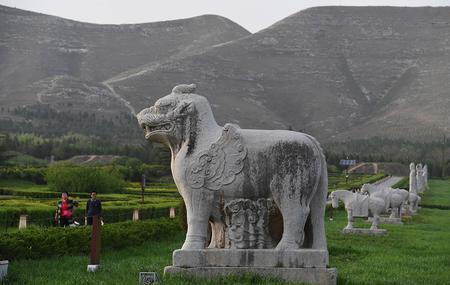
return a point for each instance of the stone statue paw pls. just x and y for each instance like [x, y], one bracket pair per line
[287, 245]
[193, 245]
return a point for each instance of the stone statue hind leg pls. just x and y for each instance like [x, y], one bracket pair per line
[294, 209]
[376, 221]
[317, 207]
[377, 206]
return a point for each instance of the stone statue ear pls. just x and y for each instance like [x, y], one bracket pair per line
[184, 108]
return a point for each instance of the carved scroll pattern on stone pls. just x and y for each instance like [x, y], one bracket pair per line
[220, 164]
[247, 223]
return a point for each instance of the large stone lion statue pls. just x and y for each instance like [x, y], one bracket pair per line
[214, 166]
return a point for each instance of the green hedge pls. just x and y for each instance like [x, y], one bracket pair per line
[39, 243]
[45, 217]
[44, 194]
[34, 174]
[38, 194]
[403, 183]
[84, 179]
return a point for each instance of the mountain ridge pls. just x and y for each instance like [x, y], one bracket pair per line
[336, 72]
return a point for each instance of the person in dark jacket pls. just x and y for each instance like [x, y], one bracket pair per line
[93, 207]
[66, 208]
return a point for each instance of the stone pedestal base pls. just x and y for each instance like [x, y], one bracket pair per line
[384, 220]
[3, 269]
[322, 276]
[378, 232]
[303, 265]
[93, 267]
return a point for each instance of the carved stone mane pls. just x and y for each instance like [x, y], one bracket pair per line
[219, 165]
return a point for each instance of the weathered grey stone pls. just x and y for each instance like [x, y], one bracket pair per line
[233, 178]
[301, 258]
[215, 166]
[425, 177]
[395, 198]
[316, 276]
[360, 231]
[412, 178]
[421, 177]
[247, 223]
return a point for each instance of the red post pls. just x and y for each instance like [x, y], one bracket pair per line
[95, 244]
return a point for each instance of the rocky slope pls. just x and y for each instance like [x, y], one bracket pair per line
[336, 72]
[69, 65]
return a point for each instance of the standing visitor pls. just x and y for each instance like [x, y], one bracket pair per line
[93, 207]
[66, 208]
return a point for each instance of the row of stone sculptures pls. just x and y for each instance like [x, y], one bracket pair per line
[418, 178]
[373, 201]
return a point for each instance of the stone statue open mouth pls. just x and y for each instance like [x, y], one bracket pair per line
[150, 130]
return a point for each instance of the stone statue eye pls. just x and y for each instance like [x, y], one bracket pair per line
[164, 105]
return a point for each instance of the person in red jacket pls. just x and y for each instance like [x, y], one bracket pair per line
[66, 208]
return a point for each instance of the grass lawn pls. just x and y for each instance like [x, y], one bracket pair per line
[439, 196]
[417, 252]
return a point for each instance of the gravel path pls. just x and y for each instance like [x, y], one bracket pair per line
[389, 182]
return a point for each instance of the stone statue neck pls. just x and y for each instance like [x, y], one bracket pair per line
[199, 134]
[346, 196]
[207, 132]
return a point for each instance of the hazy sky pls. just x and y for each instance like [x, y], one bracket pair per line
[253, 15]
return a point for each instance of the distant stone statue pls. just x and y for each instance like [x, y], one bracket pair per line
[413, 203]
[233, 178]
[425, 177]
[359, 205]
[419, 178]
[412, 178]
[395, 198]
[413, 199]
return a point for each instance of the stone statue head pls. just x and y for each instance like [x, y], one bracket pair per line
[174, 118]
[412, 167]
[419, 167]
[334, 200]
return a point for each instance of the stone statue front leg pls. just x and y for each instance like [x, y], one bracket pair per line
[395, 213]
[198, 210]
[376, 221]
[349, 219]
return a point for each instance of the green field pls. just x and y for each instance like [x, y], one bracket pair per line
[39, 202]
[417, 252]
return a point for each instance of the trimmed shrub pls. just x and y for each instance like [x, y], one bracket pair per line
[403, 183]
[84, 179]
[33, 174]
[45, 217]
[39, 243]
